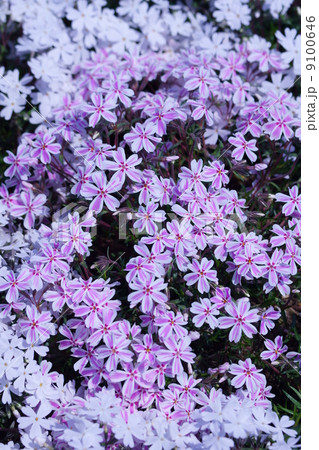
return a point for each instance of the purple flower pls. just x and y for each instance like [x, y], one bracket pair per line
[242, 147]
[29, 206]
[180, 236]
[222, 297]
[275, 349]
[76, 340]
[123, 167]
[132, 377]
[147, 293]
[83, 177]
[87, 355]
[104, 328]
[201, 109]
[162, 112]
[282, 236]
[59, 297]
[86, 289]
[37, 326]
[248, 262]
[117, 89]
[115, 350]
[95, 373]
[233, 203]
[201, 275]
[249, 124]
[37, 276]
[205, 311]
[170, 323]
[147, 217]
[44, 146]
[186, 387]
[266, 319]
[14, 283]
[239, 242]
[190, 215]
[159, 240]
[142, 136]
[241, 91]
[247, 373]
[52, 259]
[158, 374]
[100, 108]
[292, 256]
[274, 267]
[101, 190]
[75, 238]
[241, 320]
[146, 351]
[220, 240]
[94, 151]
[279, 125]
[234, 63]
[177, 351]
[19, 163]
[193, 177]
[92, 310]
[161, 189]
[201, 80]
[292, 201]
[138, 267]
[157, 260]
[217, 174]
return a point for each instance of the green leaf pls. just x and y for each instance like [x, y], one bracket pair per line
[289, 411]
[276, 186]
[295, 390]
[293, 400]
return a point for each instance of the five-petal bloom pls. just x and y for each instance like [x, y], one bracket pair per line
[242, 147]
[37, 326]
[205, 311]
[202, 274]
[292, 201]
[177, 351]
[247, 373]
[241, 320]
[142, 136]
[275, 349]
[100, 108]
[101, 190]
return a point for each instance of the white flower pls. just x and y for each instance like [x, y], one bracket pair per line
[239, 423]
[20, 382]
[154, 29]
[282, 426]
[216, 438]
[278, 7]
[40, 386]
[283, 445]
[34, 421]
[12, 103]
[6, 388]
[9, 366]
[126, 430]
[292, 44]
[82, 434]
[263, 419]
[183, 435]
[82, 17]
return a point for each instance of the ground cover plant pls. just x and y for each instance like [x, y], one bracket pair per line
[150, 224]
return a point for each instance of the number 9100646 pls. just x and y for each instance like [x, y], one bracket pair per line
[310, 43]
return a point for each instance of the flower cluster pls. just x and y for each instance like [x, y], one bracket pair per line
[167, 126]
